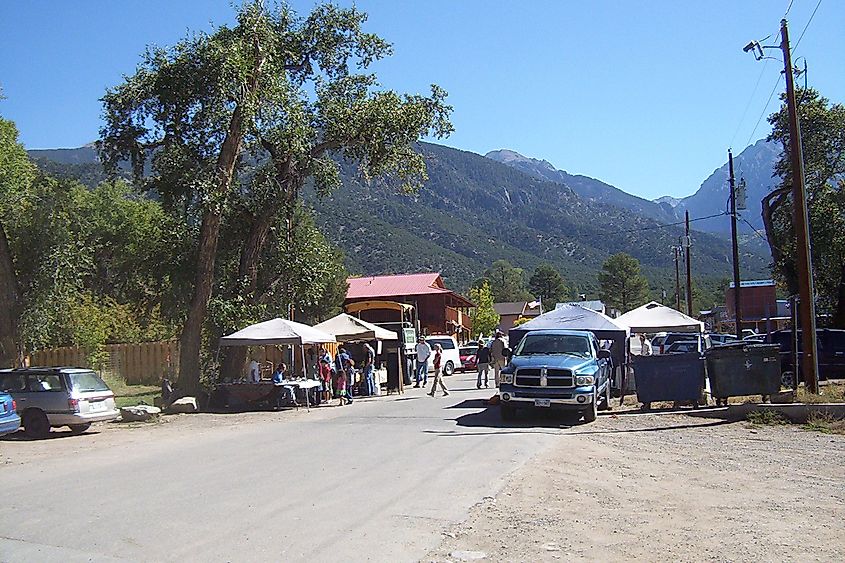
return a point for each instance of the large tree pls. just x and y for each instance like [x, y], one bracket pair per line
[547, 284]
[506, 281]
[823, 141]
[16, 177]
[276, 85]
[622, 285]
[484, 316]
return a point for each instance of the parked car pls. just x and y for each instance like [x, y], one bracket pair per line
[703, 341]
[682, 347]
[51, 397]
[752, 338]
[451, 355]
[657, 342]
[717, 338]
[831, 351]
[9, 419]
[468, 361]
[563, 369]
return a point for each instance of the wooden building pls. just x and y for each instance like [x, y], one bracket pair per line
[438, 309]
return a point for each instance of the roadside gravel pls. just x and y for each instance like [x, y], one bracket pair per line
[666, 487]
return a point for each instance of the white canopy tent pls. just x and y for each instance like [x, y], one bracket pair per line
[654, 317]
[276, 331]
[347, 328]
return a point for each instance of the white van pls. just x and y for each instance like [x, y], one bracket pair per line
[451, 354]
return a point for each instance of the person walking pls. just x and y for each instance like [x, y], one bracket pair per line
[482, 358]
[438, 372]
[423, 354]
[497, 355]
[369, 369]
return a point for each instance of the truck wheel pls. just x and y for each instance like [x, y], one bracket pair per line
[449, 368]
[35, 424]
[507, 412]
[592, 413]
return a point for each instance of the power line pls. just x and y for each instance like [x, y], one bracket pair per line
[762, 113]
[800, 37]
[656, 227]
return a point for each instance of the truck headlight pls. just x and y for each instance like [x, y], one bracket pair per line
[507, 378]
[581, 380]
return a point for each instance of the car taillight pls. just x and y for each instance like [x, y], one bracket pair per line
[662, 351]
[73, 404]
[14, 405]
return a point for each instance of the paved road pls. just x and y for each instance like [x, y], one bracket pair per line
[379, 480]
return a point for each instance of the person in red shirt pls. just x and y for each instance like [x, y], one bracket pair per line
[326, 377]
[438, 371]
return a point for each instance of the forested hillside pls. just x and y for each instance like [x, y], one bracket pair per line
[473, 211]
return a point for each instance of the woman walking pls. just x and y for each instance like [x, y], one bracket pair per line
[438, 371]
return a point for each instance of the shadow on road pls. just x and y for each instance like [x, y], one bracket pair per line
[658, 428]
[20, 436]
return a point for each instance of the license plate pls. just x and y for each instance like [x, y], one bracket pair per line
[97, 407]
[542, 402]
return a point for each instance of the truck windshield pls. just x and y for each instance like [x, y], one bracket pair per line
[553, 344]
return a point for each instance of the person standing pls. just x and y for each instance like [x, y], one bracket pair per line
[369, 368]
[438, 372]
[645, 346]
[326, 377]
[254, 372]
[423, 354]
[497, 355]
[342, 393]
[482, 358]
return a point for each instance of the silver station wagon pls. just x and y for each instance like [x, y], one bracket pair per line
[52, 397]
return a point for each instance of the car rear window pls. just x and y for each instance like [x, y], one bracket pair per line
[445, 343]
[84, 381]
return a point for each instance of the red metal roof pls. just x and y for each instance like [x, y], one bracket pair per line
[389, 286]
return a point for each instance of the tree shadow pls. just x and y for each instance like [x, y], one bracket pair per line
[20, 435]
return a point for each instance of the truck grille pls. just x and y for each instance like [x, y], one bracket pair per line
[533, 377]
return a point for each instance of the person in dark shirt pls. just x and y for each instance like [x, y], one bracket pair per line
[482, 359]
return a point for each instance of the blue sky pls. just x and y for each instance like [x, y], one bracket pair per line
[647, 96]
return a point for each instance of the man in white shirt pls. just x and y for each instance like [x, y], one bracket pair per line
[254, 373]
[423, 354]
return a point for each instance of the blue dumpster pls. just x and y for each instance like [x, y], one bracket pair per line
[669, 377]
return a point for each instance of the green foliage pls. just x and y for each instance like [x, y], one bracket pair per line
[623, 287]
[547, 284]
[506, 282]
[484, 317]
[823, 140]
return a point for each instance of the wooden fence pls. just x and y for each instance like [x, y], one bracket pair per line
[143, 363]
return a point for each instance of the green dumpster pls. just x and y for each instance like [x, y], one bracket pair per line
[743, 369]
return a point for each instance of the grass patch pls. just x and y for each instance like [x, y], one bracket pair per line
[828, 393]
[128, 395]
[766, 418]
[825, 423]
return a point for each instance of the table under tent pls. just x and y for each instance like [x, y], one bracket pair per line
[275, 332]
[354, 332]
[572, 316]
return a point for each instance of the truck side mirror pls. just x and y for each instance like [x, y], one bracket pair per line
[604, 354]
[508, 353]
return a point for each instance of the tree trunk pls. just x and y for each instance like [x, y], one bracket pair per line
[234, 360]
[9, 306]
[191, 337]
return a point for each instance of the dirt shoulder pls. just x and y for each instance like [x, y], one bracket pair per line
[666, 487]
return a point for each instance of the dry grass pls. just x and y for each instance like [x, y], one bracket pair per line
[766, 417]
[126, 395]
[832, 392]
[825, 423]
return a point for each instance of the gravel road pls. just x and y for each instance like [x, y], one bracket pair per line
[666, 487]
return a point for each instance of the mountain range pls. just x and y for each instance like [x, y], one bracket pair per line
[755, 165]
[475, 210]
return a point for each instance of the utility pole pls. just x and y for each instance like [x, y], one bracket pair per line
[677, 278]
[809, 360]
[689, 268]
[735, 243]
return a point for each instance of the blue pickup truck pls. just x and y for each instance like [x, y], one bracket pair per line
[561, 369]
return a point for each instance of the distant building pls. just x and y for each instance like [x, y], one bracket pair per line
[760, 307]
[438, 309]
[510, 311]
